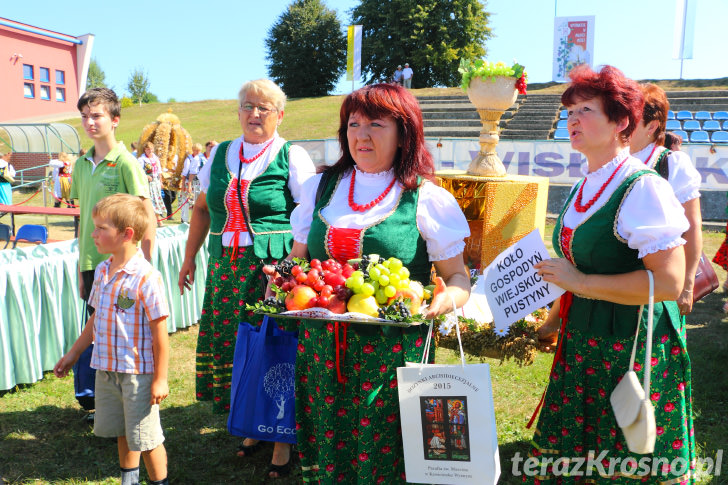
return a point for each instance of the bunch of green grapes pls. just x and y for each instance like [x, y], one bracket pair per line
[486, 70]
[378, 277]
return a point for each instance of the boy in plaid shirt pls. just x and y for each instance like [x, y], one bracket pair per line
[131, 349]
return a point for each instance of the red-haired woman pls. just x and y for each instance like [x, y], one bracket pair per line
[621, 219]
[379, 199]
[647, 144]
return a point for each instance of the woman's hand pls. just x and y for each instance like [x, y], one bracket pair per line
[270, 271]
[562, 273]
[186, 275]
[685, 301]
[442, 303]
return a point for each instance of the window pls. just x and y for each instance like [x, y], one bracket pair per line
[45, 74]
[45, 92]
[60, 77]
[27, 71]
[29, 90]
[61, 94]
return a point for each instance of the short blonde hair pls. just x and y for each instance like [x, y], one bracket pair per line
[265, 88]
[197, 146]
[124, 210]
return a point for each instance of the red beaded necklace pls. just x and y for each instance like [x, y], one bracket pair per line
[366, 207]
[251, 160]
[583, 208]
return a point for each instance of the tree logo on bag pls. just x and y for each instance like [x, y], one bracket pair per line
[279, 384]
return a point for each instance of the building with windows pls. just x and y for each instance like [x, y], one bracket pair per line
[44, 73]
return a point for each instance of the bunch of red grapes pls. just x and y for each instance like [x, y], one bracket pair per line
[313, 284]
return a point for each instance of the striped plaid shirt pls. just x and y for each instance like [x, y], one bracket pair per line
[125, 304]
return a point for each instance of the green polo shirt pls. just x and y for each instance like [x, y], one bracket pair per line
[118, 172]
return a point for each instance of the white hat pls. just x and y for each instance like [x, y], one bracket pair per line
[399, 67]
[406, 64]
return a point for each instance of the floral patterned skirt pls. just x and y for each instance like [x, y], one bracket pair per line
[229, 286]
[721, 257]
[350, 432]
[155, 194]
[577, 417]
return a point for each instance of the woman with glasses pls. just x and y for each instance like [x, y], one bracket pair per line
[619, 220]
[247, 192]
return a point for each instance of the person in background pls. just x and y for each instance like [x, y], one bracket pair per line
[407, 76]
[153, 169]
[263, 173]
[134, 146]
[618, 221]
[189, 185]
[7, 176]
[131, 354]
[208, 149]
[380, 197]
[62, 168]
[397, 76]
[673, 141]
[676, 167]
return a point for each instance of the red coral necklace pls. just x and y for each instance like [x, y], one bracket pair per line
[251, 160]
[366, 207]
[583, 208]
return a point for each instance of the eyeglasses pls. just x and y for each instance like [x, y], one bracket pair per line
[262, 110]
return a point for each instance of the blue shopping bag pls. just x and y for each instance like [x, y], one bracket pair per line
[84, 380]
[262, 404]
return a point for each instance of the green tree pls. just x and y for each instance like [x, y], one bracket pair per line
[306, 49]
[138, 86]
[431, 35]
[96, 77]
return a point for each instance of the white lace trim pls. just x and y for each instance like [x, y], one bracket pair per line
[375, 177]
[607, 167]
[449, 252]
[660, 245]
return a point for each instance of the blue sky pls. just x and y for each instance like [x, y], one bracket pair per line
[195, 50]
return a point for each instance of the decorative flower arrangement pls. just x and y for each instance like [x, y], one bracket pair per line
[488, 70]
[519, 342]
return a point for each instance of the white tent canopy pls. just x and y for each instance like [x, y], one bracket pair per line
[40, 137]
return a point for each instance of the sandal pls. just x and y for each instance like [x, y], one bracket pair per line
[246, 451]
[281, 470]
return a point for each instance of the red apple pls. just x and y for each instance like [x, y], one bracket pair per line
[336, 305]
[300, 298]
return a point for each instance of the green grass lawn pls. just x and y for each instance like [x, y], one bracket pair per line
[44, 438]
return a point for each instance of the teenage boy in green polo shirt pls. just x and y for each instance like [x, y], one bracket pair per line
[108, 168]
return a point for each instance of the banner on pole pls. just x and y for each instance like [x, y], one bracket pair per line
[353, 53]
[684, 30]
[573, 45]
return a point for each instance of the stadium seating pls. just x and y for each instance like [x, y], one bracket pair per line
[703, 115]
[670, 114]
[682, 134]
[31, 233]
[5, 234]
[699, 137]
[719, 137]
[725, 125]
[563, 114]
[561, 134]
[673, 125]
[691, 125]
[711, 125]
[684, 115]
[561, 124]
[720, 115]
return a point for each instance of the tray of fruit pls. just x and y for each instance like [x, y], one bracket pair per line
[371, 290]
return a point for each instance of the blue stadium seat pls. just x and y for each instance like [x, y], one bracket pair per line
[561, 134]
[670, 114]
[725, 125]
[699, 137]
[684, 115]
[673, 125]
[563, 114]
[711, 125]
[719, 137]
[703, 115]
[683, 134]
[691, 125]
[561, 124]
[720, 115]
[5, 234]
[31, 233]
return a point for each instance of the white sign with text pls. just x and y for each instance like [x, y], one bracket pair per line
[513, 287]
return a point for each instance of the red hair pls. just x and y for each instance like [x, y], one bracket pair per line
[382, 101]
[656, 107]
[621, 97]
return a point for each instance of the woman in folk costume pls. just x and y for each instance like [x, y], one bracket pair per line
[248, 190]
[378, 198]
[62, 169]
[621, 219]
[646, 144]
[153, 169]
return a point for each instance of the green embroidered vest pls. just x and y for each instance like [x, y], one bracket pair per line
[597, 248]
[269, 204]
[395, 235]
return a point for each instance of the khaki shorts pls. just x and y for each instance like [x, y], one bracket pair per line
[123, 409]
